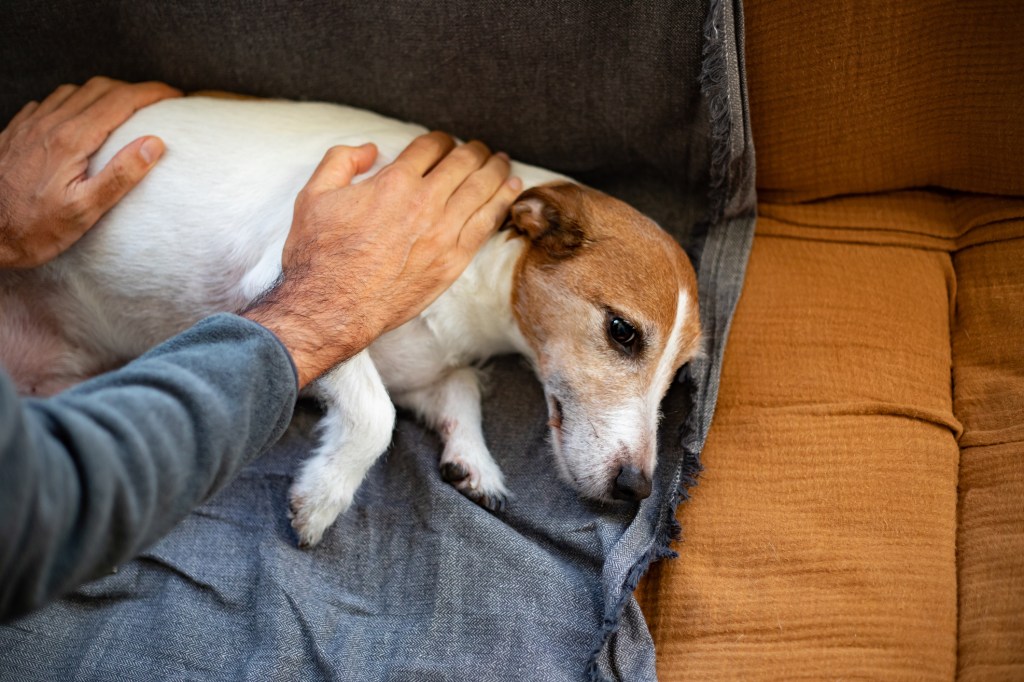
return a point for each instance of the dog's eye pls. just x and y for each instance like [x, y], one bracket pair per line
[621, 332]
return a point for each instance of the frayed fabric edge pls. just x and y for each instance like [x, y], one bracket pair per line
[715, 88]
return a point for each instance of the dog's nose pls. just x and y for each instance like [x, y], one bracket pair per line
[631, 484]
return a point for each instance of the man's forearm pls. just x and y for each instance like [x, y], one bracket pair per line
[94, 475]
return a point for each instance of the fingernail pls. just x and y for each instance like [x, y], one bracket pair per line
[503, 155]
[150, 150]
[515, 183]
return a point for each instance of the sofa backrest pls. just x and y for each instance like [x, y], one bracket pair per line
[852, 97]
[607, 94]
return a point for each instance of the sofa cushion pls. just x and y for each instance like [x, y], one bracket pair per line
[821, 541]
[988, 390]
[853, 97]
[942, 221]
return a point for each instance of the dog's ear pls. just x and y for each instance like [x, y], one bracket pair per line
[552, 217]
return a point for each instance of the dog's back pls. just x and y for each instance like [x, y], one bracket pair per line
[203, 233]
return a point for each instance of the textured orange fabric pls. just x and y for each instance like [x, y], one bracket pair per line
[927, 220]
[820, 542]
[851, 97]
[988, 390]
[839, 531]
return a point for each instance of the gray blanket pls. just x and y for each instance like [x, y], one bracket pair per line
[645, 101]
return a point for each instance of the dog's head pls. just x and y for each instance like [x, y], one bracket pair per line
[607, 302]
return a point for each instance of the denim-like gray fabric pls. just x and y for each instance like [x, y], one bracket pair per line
[645, 101]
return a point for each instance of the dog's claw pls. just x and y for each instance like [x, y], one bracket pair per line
[454, 472]
[308, 521]
[293, 519]
[488, 491]
[493, 502]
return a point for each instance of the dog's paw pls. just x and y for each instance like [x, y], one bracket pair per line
[314, 505]
[308, 521]
[482, 483]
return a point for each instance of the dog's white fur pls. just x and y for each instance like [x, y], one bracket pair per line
[204, 233]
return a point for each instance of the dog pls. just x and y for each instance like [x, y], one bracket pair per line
[598, 298]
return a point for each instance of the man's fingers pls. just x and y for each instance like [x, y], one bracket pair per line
[478, 187]
[115, 105]
[24, 114]
[55, 99]
[425, 151]
[122, 173]
[454, 168]
[340, 165]
[486, 221]
[82, 97]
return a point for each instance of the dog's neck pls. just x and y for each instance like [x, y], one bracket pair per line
[475, 315]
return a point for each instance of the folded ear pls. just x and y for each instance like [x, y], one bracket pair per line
[551, 216]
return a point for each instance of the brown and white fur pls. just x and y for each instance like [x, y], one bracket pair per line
[204, 233]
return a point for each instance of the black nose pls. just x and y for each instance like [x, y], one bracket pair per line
[631, 484]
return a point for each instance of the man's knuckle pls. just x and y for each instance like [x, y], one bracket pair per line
[451, 266]
[438, 138]
[335, 152]
[478, 148]
[442, 237]
[63, 134]
[476, 186]
[465, 154]
[24, 133]
[305, 198]
[397, 178]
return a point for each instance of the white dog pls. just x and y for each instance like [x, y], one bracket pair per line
[596, 295]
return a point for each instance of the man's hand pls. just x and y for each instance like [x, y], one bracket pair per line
[46, 201]
[362, 259]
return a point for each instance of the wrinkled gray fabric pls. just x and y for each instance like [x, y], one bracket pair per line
[643, 100]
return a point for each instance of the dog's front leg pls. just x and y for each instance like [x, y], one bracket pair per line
[354, 432]
[451, 406]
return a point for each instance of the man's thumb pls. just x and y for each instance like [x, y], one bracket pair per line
[124, 171]
[341, 164]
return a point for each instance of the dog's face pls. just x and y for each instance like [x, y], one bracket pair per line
[607, 301]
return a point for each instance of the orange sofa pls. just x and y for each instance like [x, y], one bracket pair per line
[861, 512]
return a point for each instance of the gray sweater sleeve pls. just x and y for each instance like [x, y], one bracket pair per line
[92, 476]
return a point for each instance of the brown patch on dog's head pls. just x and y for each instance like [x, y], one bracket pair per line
[551, 217]
[607, 302]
